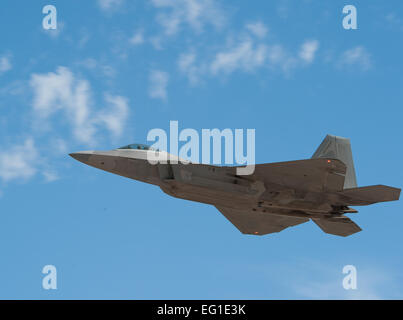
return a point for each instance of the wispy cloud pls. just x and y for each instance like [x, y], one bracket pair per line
[358, 56]
[137, 38]
[84, 38]
[58, 146]
[114, 117]
[109, 5]
[194, 13]
[94, 65]
[158, 84]
[14, 88]
[394, 21]
[247, 52]
[257, 28]
[245, 56]
[187, 65]
[61, 91]
[308, 50]
[282, 9]
[5, 63]
[50, 175]
[19, 162]
[279, 57]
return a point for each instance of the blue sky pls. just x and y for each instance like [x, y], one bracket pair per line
[114, 69]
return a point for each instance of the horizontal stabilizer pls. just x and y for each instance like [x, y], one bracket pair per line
[370, 194]
[339, 226]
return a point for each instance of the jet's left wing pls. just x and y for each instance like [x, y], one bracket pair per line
[259, 223]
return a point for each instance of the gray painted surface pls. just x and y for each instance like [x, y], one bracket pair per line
[338, 148]
[276, 196]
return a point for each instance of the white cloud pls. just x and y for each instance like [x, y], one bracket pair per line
[245, 56]
[257, 28]
[308, 50]
[158, 84]
[50, 175]
[89, 63]
[17, 87]
[394, 21]
[22, 162]
[58, 146]
[137, 38]
[61, 91]
[92, 64]
[5, 64]
[115, 116]
[84, 38]
[108, 5]
[282, 9]
[195, 13]
[19, 162]
[187, 65]
[358, 56]
[108, 71]
[247, 52]
[277, 54]
[156, 42]
[279, 57]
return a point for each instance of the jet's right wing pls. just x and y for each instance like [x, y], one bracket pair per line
[259, 223]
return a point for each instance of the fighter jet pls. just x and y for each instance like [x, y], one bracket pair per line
[276, 196]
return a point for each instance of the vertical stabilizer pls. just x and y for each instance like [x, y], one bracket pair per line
[339, 148]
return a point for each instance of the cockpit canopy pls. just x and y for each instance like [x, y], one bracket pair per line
[137, 146]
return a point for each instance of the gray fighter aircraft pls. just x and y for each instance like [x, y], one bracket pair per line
[276, 196]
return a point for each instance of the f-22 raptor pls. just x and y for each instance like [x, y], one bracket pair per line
[276, 196]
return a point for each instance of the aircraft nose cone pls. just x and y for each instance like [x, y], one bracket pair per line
[82, 157]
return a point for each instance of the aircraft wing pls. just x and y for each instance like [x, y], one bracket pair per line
[259, 223]
[318, 175]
